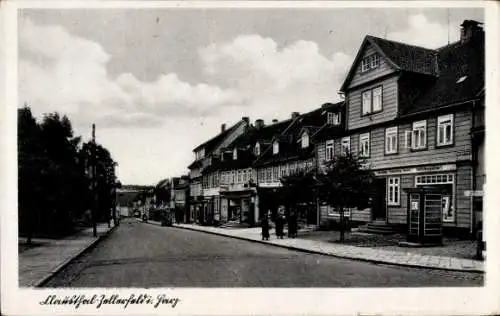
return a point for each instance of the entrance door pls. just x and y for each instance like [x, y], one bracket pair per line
[379, 211]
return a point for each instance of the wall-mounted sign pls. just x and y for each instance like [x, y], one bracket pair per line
[470, 193]
[413, 170]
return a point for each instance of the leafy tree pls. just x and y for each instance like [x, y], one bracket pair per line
[347, 183]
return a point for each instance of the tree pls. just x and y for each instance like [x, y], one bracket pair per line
[30, 169]
[347, 183]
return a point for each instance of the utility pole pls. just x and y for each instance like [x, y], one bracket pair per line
[94, 184]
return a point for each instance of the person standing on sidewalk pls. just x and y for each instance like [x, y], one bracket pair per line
[265, 228]
[280, 222]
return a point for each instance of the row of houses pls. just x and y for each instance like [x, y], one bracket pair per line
[415, 114]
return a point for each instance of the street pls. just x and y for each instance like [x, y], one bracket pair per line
[144, 255]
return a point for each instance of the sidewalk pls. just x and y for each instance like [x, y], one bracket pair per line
[40, 262]
[371, 254]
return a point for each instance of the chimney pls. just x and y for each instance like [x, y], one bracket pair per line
[275, 121]
[223, 128]
[246, 119]
[295, 115]
[470, 29]
[259, 123]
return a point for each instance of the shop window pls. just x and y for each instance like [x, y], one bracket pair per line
[329, 150]
[275, 174]
[393, 191]
[445, 130]
[446, 182]
[391, 140]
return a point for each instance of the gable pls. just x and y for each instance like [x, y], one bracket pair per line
[358, 76]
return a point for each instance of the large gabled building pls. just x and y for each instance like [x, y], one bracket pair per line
[417, 116]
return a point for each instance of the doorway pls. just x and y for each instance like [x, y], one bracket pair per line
[379, 210]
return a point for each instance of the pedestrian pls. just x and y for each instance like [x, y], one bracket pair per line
[265, 227]
[280, 222]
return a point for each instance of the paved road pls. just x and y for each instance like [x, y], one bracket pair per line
[143, 255]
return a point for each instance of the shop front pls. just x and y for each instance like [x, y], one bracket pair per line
[450, 179]
[239, 204]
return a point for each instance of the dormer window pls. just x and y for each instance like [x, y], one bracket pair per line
[235, 154]
[257, 149]
[276, 148]
[370, 62]
[333, 118]
[305, 140]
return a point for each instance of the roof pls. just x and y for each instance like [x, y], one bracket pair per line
[461, 78]
[210, 144]
[400, 56]
[290, 146]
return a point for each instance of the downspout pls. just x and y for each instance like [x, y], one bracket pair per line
[473, 171]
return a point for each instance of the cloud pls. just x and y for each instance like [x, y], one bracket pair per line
[62, 72]
[275, 81]
[422, 32]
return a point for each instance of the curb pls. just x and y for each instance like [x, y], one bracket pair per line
[67, 261]
[334, 255]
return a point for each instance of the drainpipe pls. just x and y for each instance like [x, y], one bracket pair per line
[473, 172]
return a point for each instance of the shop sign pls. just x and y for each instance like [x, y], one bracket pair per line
[416, 170]
[469, 193]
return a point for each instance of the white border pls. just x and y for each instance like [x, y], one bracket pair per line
[406, 301]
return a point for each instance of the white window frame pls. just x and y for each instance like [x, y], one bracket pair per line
[364, 149]
[345, 141]
[304, 140]
[332, 118]
[370, 62]
[329, 149]
[393, 191]
[257, 149]
[391, 140]
[366, 102]
[276, 147]
[442, 122]
[377, 93]
[418, 128]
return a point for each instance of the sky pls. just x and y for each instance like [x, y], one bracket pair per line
[158, 82]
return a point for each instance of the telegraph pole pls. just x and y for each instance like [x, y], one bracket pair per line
[94, 184]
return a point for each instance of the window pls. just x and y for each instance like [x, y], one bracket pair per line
[305, 140]
[391, 140]
[262, 175]
[364, 145]
[257, 149]
[445, 130]
[276, 148]
[269, 174]
[377, 99]
[275, 174]
[235, 154]
[345, 145]
[419, 135]
[372, 101]
[333, 118]
[393, 191]
[369, 62]
[329, 150]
